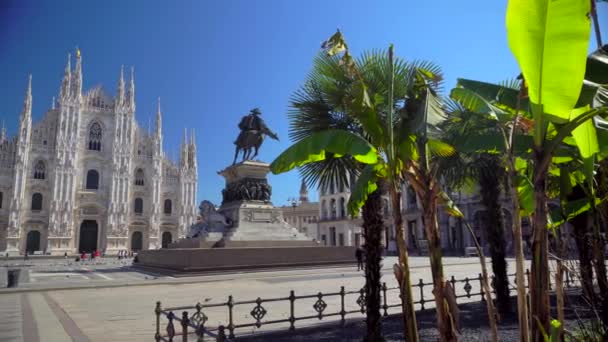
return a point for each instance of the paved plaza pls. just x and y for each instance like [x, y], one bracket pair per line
[111, 301]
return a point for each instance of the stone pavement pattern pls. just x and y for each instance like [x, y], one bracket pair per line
[126, 313]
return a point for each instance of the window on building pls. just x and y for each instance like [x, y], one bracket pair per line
[411, 198]
[168, 207]
[36, 201]
[139, 177]
[385, 209]
[332, 236]
[139, 206]
[92, 180]
[323, 209]
[340, 239]
[0, 199]
[95, 137]
[39, 170]
[333, 208]
[412, 229]
[342, 207]
[324, 239]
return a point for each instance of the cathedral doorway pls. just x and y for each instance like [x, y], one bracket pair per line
[166, 239]
[137, 241]
[33, 241]
[88, 236]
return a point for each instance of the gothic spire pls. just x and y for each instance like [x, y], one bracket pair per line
[131, 93]
[192, 151]
[3, 133]
[26, 112]
[303, 192]
[65, 83]
[184, 150]
[77, 77]
[120, 89]
[25, 122]
[159, 120]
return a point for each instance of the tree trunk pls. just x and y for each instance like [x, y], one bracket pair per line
[492, 315]
[445, 324]
[490, 193]
[372, 230]
[403, 274]
[583, 246]
[522, 305]
[539, 281]
[601, 221]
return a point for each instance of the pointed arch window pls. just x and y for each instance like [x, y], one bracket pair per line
[39, 170]
[168, 207]
[37, 201]
[139, 177]
[95, 133]
[138, 206]
[92, 180]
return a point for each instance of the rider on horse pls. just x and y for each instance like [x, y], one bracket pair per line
[253, 130]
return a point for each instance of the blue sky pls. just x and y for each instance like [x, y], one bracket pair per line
[212, 61]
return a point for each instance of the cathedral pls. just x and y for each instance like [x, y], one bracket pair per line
[87, 177]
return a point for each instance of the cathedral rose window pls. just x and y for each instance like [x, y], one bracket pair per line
[95, 137]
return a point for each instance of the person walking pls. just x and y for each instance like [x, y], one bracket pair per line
[359, 256]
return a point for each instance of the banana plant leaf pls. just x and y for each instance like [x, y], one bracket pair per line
[366, 184]
[525, 191]
[494, 93]
[550, 40]
[321, 145]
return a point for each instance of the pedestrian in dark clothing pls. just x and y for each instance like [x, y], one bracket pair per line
[359, 256]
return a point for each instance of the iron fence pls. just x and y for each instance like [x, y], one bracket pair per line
[193, 320]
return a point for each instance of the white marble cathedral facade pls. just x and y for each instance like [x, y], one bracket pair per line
[88, 177]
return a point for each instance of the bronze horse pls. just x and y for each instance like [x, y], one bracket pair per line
[250, 141]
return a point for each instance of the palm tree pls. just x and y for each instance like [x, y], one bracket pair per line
[319, 105]
[488, 171]
[391, 101]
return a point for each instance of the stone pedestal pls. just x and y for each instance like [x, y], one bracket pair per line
[246, 203]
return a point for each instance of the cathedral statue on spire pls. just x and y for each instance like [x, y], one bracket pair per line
[253, 130]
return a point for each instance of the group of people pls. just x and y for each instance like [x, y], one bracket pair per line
[123, 254]
[95, 255]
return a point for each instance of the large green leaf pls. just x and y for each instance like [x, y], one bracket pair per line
[317, 146]
[494, 93]
[493, 143]
[550, 41]
[407, 148]
[364, 111]
[584, 135]
[365, 185]
[440, 148]
[525, 191]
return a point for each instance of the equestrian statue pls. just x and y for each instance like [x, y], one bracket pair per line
[253, 130]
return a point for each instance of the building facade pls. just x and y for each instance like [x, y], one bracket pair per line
[88, 177]
[303, 214]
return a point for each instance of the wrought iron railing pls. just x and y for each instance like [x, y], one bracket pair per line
[193, 320]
